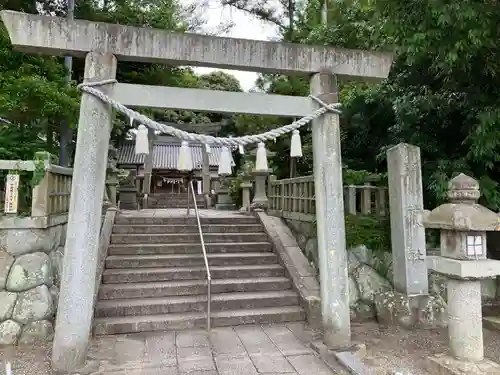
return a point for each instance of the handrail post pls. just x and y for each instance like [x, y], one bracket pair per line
[204, 250]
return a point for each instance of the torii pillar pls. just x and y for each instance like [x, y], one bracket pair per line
[79, 38]
[75, 307]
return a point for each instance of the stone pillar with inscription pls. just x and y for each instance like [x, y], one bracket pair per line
[463, 224]
[407, 234]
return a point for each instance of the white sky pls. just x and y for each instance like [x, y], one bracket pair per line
[245, 27]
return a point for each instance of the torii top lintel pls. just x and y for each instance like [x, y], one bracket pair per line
[59, 36]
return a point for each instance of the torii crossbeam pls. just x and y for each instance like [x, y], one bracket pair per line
[103, 45]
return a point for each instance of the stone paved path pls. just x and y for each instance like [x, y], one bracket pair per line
[244, 350]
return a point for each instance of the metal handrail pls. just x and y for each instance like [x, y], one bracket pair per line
[209, 277]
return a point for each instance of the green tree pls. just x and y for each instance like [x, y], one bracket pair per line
[441, 95]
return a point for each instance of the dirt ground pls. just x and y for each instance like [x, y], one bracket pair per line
[406, 351]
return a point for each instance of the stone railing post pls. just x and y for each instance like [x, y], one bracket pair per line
[246, 187]
[224, 200]
[129, 194]
[206, 177]
[463, 224]
[111, 188]
[40, 203]
[406, 204]
[271, 191]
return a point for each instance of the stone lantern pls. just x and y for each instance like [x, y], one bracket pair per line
[463, 224]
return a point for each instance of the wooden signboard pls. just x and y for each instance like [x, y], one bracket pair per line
[11, 193]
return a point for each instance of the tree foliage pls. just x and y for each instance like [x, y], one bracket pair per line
[34, 95]
[441, 95]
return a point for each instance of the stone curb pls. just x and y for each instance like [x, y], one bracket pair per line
[344, 362]
[300, 271]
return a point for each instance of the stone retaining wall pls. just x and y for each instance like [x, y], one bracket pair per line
[370, 285]
[31, 252]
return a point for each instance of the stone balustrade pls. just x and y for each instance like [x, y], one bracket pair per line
[51, 190]
[32, 248]
[294, 198]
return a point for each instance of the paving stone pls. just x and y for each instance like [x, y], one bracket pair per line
[195, 359]
[255, 340]
[226, 341]
[271, 363]
[191, 338]
[300, 331]
[240, 364]
[103, 348]
[309, 365]
[143, 371]
[129, 351]
[161, 349]
[286, 341]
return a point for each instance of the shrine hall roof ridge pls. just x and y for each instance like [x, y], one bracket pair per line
[59, 36]
[166, 154]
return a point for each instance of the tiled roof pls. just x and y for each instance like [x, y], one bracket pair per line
[166, 154]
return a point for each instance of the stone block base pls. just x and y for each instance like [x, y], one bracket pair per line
[225, 206]
[446, 365]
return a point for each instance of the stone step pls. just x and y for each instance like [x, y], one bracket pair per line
[175, 199]
[175, 196]
[179, 260]
[178, 238]
[183, 195]
[192, 287]
[195, 303]
[167, 229]
[148, 323]
[492, 323]
[138, 275]
[158, 220]
[174, 204]
[188, 248]
[167, 206]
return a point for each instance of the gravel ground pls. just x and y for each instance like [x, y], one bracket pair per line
[406, 351]
[27, 360]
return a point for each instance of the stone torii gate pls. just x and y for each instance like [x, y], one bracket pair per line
[102, 45]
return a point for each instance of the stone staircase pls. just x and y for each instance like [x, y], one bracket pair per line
[155, 279]
[170, 200]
